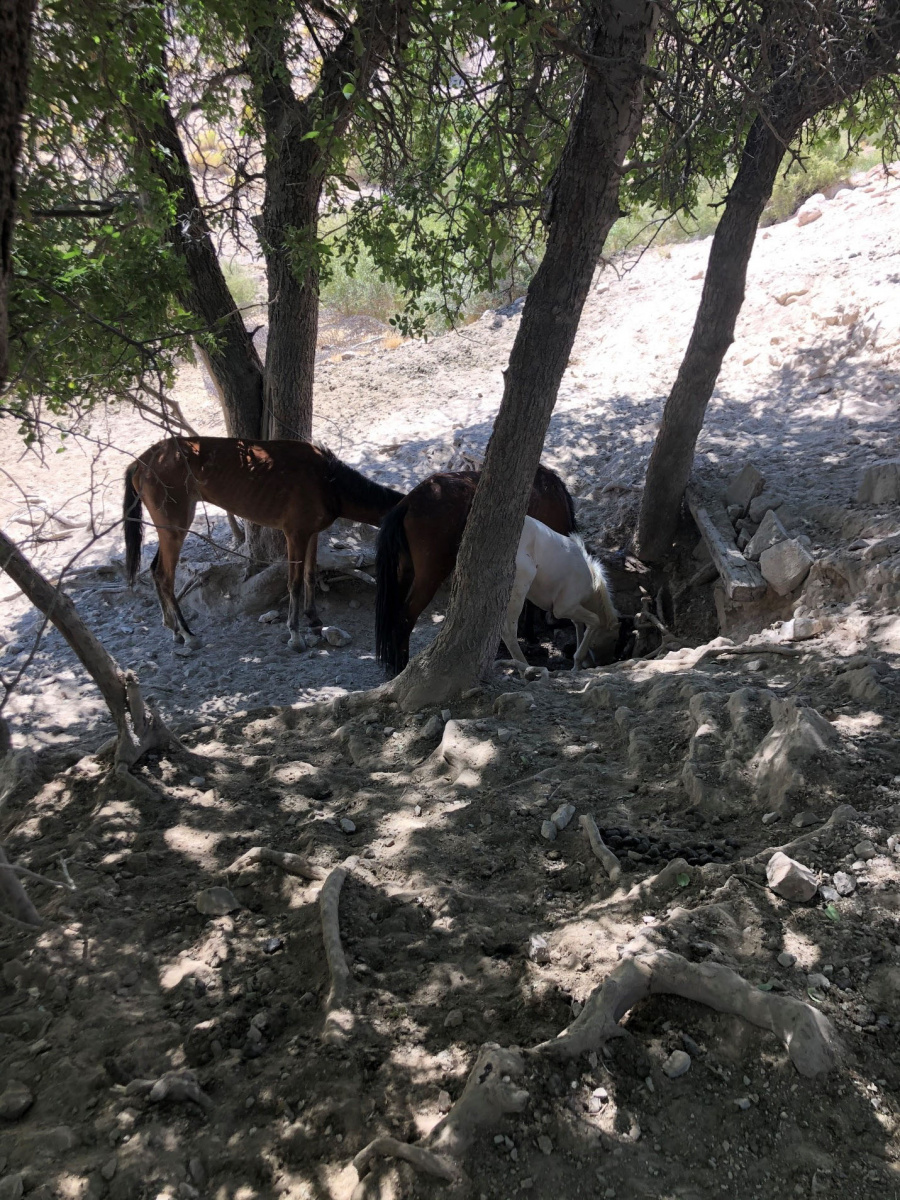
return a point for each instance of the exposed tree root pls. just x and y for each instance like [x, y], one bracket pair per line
[490, 1093]
[806, 1033]
[338, 1017]
[18, 907]
[611, 864]
[291, 864]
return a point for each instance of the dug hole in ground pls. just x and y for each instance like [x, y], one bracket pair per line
[331, 952]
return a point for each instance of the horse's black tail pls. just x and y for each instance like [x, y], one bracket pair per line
[390, 592]
[570, 505]
[134, 526]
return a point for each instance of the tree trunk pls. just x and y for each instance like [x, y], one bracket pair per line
[229, 353]
[720, 305]
[15, 42]
[120, 691]
[582, 208]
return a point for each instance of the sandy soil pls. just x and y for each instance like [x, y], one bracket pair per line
[714, 759]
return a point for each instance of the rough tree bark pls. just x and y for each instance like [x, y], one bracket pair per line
[582, 207]
[229, 355]
[720, 304]
[300, 136]
[794, 99]
[15, 40]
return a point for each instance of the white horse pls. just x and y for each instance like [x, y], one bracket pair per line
[557, 574]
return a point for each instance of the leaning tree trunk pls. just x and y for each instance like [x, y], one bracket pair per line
[584, 205]
[120, 690]
[228, 353]
[720, 305]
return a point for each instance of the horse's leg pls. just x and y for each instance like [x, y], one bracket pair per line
[525, 573]
[163, 570]
[309, 584]
[296, 549]
[591, 623]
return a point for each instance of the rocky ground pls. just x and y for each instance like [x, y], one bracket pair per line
[162, 1038]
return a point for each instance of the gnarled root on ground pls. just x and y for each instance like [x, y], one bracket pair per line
[611, 864]
[490, 1093]
[291, 864]
[338, 1017]
[806, 1033]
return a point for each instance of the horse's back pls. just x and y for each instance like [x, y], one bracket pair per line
[562, 577]
[254, 479]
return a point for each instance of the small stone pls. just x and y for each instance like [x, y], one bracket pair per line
[801, 629]
[563, 816]
[785, 566]
[197, 781]
[444, 1102]
[549, 831]
[273, 945]
[786, 959]
[829, 894]
[538, 950]
[353, 604]
[335, 636]
[742, 1103]
[445, 714]
[453, 1019]
[417, 810]
[270, 617]
[544, 1144]
[215, 902]
[599, 1097]
[802, 820]
[818, 980]
[844, 884]
[109, 1168]
[865, 850]
[770, 818]
[347, 825]
[677, 1064]
[15, 1101]
[504, 736]
[690, 1045]
[197, 1172]
[790, 879]
[807, 215]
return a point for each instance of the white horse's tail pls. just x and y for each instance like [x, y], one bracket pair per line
[602, 593]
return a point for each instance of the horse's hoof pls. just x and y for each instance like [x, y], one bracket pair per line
[297, 642]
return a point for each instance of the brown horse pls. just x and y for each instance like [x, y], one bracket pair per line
[296, 487]
[419, 541]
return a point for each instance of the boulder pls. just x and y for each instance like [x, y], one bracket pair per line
[216, 902]
[790, 879]
[800, 738]
[785, 566]
[880, 483]
[743, 488]
[770, 533]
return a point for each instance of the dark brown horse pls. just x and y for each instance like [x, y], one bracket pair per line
[420, 539]
[296, 487]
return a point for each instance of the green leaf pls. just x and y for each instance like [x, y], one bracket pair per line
[832, 912]
[348, 89]
[765, 987]
[682, 879]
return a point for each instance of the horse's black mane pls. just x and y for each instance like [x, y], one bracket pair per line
[356, 486]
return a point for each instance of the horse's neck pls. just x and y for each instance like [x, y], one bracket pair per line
[371, 511]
